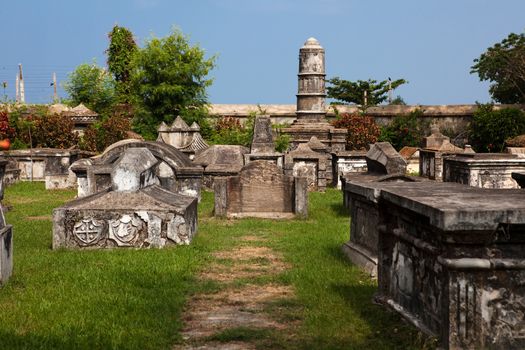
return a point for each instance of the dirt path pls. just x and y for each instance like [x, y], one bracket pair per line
[239, 314]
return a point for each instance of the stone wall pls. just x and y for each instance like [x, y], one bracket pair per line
[446, 117]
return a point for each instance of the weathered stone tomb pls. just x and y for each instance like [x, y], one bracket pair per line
[46, 164]
[6, 234]
[314, 165]
[261, 190]
[186, 139]
[451, 260]
[485, 170]
[220, 160]
[134, 212]
[174, 170]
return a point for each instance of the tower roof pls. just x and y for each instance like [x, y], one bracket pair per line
[311, 43]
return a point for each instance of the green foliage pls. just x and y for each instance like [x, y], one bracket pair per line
[362, 130]
[121, 50]
[354, 92]
[398, 100]
[282, 142]
[99, 136]
[169, 79]
[490, 128]
[92, 86]
[504, 66]
[405, 130]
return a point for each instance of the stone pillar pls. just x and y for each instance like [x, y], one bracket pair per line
[311, 92]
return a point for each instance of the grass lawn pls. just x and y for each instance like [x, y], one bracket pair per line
[133, 299]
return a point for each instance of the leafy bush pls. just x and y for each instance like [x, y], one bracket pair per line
[405, 130]
[51, 131]
[362, 130]
[490, 128]
[99, 136]
[282, 142]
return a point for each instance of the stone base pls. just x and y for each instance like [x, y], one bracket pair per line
[6, 253]
[334, 138]
[361, 257]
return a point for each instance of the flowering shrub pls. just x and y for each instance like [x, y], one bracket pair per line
[362, 130]
[52, 131]
[230, 131]
[6, 131]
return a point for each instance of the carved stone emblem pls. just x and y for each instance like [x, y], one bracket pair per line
[88, 230]
[125, 230]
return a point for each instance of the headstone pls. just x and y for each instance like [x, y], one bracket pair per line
[382, 158]
[6, 234]
[260, 190]
[263, 147]
[133, 213]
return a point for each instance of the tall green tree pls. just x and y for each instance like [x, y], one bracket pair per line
[354, 91]
[170, 79]
[91, 85]
[504, 66]
[120, 53]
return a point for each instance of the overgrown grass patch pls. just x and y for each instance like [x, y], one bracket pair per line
[133, 299]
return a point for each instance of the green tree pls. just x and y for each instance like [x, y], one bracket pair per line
[489, 128]
[169, 80]
[91, 85]
[504, 66]
[121, 50]
[354, 91]
[406, 130]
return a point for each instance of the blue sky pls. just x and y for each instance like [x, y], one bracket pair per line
[430, 43]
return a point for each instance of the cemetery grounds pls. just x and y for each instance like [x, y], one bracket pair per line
[241, 284]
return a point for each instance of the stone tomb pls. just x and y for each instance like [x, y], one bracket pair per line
[174, 169]
[315, 165]
[435, 148]
[261, 190]
[485, 170]
[6, 234]
[220, 160]
[451, 260]
[347, 163]
[186, 139]
[135, 212]
[46, 164]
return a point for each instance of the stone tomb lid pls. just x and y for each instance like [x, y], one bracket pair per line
[152, 198]
[231, 155]
[449, 206]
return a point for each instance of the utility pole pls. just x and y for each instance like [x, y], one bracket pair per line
[22, 86]
[17, 87]
[389, 90]
[55, 96]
